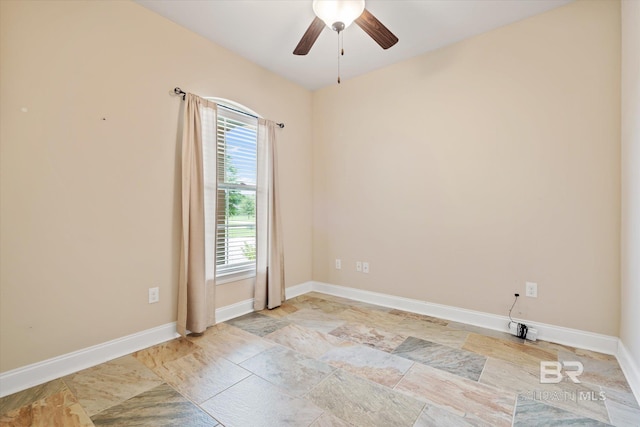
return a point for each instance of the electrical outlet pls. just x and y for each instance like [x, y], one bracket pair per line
[338, 264]
[365, 267]
[358, 266]
[532, 333]
[531, 289]
[154, 295]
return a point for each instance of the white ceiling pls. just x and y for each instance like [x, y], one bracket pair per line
[267, 31]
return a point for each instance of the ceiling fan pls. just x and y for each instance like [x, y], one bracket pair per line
[338, 15]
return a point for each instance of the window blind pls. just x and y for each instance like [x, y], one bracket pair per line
[236, 197]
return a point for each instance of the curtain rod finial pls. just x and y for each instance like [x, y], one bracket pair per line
[179, 91]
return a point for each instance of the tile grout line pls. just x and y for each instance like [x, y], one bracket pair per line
[486, 361]
[313, 403]
[404, 375]
[515, 408]
[187, 398]
[606, 407]
[192, 402]
[162, 381]
[199, 405]
[78, 400]
[277, 344]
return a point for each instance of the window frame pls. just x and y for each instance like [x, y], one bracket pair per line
[236, 112]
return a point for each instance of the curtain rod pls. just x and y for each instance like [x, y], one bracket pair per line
[179, 91]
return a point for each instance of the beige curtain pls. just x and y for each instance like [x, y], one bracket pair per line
[196, 288]
[269, 289]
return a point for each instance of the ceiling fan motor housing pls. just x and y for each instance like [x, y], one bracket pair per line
[338, 26]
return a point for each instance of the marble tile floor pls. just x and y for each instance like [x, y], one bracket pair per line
[322, 361]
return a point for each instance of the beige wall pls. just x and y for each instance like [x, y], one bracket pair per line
[630, 295]
[465, 172]
[90, 212]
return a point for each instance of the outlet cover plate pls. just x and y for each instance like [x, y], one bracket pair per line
[154, 295]
[531, 289]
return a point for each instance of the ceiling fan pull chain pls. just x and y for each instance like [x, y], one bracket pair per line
[339, 54]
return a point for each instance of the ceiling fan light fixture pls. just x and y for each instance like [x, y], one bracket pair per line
[334, 12]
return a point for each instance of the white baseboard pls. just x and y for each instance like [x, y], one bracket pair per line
[630, 368]
[38, 373]
[47, 370]
[297, 290]
[56, 367]
[558, 334]
[232, 311]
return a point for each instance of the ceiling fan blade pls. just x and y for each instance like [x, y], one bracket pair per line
[309, 37]
[376, 30]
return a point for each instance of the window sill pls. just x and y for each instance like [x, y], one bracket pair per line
[235, 277]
